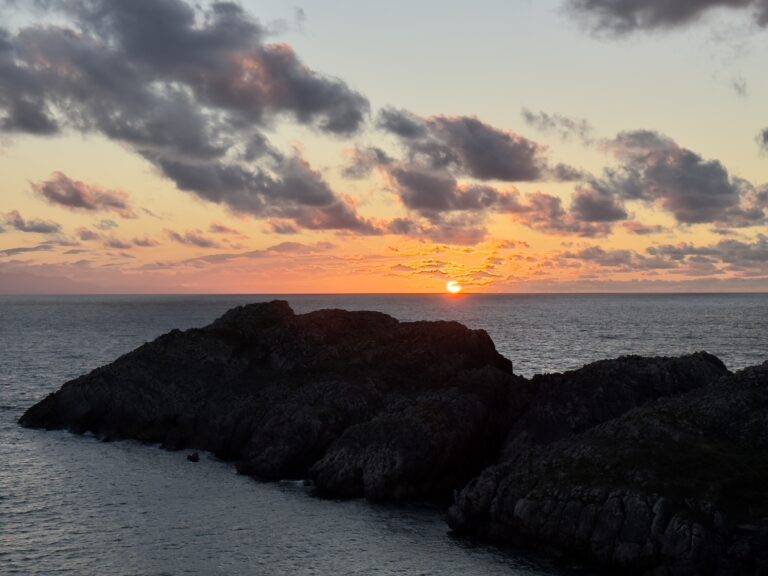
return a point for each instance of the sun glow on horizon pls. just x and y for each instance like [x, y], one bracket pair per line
[453, 287]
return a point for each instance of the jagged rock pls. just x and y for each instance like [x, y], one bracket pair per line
[279, 392]
[669, 484]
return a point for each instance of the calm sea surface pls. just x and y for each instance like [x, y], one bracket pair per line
[71, 505]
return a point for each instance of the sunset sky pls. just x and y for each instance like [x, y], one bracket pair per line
[165, 146]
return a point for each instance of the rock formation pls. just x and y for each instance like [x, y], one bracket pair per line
[647, 465]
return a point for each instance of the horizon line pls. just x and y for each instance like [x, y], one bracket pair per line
[446, 294]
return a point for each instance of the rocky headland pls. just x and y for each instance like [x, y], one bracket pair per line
[641, 465]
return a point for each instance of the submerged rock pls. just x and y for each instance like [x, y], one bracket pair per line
[654, 465]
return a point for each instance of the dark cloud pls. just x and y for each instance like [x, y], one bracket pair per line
[106, 224]
[462, 228]
[189, 89]
[463, 208]
[452, 212]
[363, 161]
[45, 247]
[593, 203]
[466, 145]
[282, 227]
[546, 213]
[402, 123]
[85, 235]
[565, 173]
[61, 190]
[439, 150]
[16, 221]
[621, 260]
[291, 191]
[625, 16]
[655, 170]
[282, 249]
[640, 229]
[117, 244]
[145, 242]
[192, 238]
[562, 126]
[741, 254]
[431, 192]
[23, 107]
[340, 216]
[762, 140]
[221, 57]
[739, 86]
[216, 228]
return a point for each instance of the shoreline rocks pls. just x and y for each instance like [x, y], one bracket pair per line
[645, 465]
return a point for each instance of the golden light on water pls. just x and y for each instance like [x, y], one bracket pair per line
[453, 287]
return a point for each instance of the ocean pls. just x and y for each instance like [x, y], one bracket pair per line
[75, 506]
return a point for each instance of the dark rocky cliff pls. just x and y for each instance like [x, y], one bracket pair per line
[647, 465]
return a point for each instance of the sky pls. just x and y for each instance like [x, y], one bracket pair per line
[167, 146]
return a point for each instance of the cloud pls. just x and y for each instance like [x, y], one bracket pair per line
[185, 87]
[453, 212]
[450, 211]
[145, 242]
[463, 228]
[626, 16]
[762, 139]
[282, 227]
[192, 238]
[85, 235]
[362, 161]
[18, 222]
[26, 249]
[657, 171]
[640, 229]
[739, 86]
[625, 260]
[466, 145]
[61, 190]
[292, 191]
[432, 192]
[46, 246]
[546, 213]
[594, 203]
[562, 126]
[117, 244]
[402, 123]
[736, 253]
[282, 249]
[106, 224]
[216, 228]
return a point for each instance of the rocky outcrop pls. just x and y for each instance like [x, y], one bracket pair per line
[677, 486]
[646, 465]
[362, 403]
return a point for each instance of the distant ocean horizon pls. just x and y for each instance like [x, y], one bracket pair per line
[71, 505]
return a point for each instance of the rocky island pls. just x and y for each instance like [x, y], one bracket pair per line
[640, 465]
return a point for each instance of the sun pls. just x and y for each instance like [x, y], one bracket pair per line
[453, 287]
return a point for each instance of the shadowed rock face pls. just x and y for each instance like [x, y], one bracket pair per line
[640, 464]
[680, 482]
[380, 408]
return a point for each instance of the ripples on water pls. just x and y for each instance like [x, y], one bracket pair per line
[72, 505]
